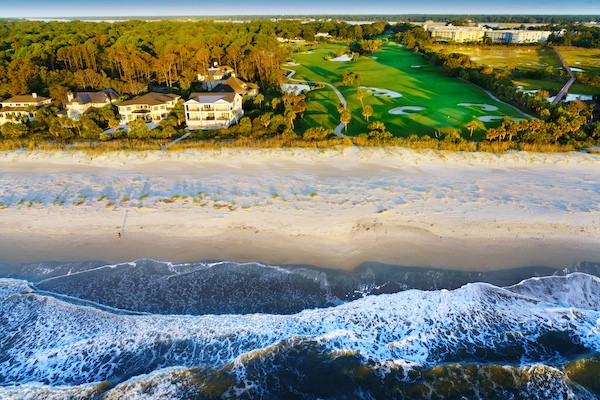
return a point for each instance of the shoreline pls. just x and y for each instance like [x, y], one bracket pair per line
[332, 209]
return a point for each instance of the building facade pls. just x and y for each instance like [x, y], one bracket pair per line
[79, 103]
[22, 108]
[213, 110]
[214, 76]
[152, 107]
[465, 34]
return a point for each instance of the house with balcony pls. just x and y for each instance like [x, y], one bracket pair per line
[22, 107]
[152, 107]
[209, 110]
[236, 85]
[81, 103]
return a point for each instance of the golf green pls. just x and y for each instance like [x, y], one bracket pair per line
[410, 82]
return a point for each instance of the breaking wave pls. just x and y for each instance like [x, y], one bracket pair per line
[539, 338]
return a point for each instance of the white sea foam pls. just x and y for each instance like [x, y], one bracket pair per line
[48, 340]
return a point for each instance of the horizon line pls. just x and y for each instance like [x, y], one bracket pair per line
[301, 15]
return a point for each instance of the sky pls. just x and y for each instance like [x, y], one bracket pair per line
[106, 8]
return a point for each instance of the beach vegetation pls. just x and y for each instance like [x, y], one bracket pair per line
[55, 58]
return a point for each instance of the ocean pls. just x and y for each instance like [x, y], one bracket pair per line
[149, 329]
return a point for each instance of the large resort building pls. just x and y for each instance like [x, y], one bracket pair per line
[22, 108]
[152, 107]
[464, 34]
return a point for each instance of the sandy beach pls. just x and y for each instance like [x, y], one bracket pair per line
[332, 208]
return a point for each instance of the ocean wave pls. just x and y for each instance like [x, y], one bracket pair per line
[223, 287]
[284, 374]
[54, 342]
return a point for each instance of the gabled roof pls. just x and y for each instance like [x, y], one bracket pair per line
[211, 97]
[151, 99]
[234, 84]
[26, 98]
[103, 96]
[219, 70]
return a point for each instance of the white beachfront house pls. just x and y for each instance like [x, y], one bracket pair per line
[80, 103]
[213, 110]
[22, 107]
[152, 107]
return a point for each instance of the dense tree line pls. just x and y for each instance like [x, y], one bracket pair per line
[53, 57]
[575, 35]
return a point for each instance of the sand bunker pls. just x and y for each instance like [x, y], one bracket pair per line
[406, 110]
[416, 66]
[490, 118]
[484, 107]
[577, 69]
[377, 92]
[343, 58]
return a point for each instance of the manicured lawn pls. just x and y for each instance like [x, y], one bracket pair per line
[554, 87]
[321, 110]
[534, 58]
[507, 57]
[396, 69]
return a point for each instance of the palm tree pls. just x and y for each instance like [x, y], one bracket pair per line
[472, 127]
[360, 95]
[345, 118]
[259, 99]
[291, 116]
[367, 111]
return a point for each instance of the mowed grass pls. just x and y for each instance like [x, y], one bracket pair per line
[393, 68]
[534, 58]
[506, 57]
[554, 87]
[586, 59]
[321, 110]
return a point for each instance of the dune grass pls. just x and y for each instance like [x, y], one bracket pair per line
[394, 68]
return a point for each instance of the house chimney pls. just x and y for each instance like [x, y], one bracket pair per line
[70, 97]
[34, 95]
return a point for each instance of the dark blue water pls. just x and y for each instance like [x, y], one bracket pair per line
[149, 329]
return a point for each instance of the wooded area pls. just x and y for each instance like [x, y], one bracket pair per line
[54, 58]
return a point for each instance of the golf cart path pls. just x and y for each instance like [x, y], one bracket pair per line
[338, 129]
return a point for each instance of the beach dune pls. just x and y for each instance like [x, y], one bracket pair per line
[332, 208]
